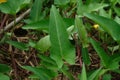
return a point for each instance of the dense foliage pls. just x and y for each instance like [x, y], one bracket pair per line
[61, 35]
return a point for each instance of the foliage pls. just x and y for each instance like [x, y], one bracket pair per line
[61, 49]
[13, 6]
[88, 23]
[4, 69]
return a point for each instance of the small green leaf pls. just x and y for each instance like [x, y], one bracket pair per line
[83, 75]
[94, 74]
[35, 13]
[39, 25]
[32, 43]
[114, 59]
[4, 77]
[33, 76]
[102, 54]
[111, 27]
[43, 44]
[44, 24]
[66, 72]
[82, 9]
[117, 19]
[107, 77]
[61, 48]
[13, 6]
[61, 2]
[18, 45]
[103, 13]
[85, 56]
[101, 73]
[42, 73]
[117, 10]
[48, 63]
[81, 32]
[4, 68]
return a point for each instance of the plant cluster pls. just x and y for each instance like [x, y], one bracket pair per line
[68, 33]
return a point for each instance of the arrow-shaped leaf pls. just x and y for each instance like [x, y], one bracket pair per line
[61, 49]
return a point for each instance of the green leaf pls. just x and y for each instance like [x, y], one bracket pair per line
[112, 27]
[117, 19]
[94, 74]
[83, 75]
[102, 54]
[43, 44]
[117, 10]
[61, 2]
[103, 13]
[68, 21]
[13, 6]
[101, 72]
[66, 72]
[81, 32]
[114, 59]
[48, 63]
[117, 71]
[4, 77]
[107, 77]
[113, 48]
[35, 13]
[39, 25]
[85, 56]
[44, 24]
[42, 73]
[4, 68]
[73, 1]
[114, 2]
[19, 45]
[82, 9]
[33, 76]
[32, 43]
[61, 49]
[92, 1]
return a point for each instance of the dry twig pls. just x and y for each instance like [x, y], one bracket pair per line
[17, 20]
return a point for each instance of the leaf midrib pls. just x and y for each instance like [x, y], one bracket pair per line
[58, 34]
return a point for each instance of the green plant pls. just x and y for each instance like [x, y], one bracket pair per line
[4, 69]
[56, 23]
